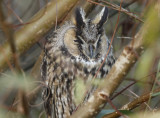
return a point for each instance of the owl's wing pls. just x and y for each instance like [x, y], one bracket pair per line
[58, 76]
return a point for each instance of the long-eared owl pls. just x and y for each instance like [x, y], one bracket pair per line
[74, 51]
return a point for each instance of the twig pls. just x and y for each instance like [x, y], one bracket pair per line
[14, 13]
[154, 85]
[123, 6]
[135, 103]
[110, 102]
[122, 90]
[116, 7]
[124, 37]
[136, 96]
[135, 81]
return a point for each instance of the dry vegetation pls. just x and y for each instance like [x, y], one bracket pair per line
[132, 87]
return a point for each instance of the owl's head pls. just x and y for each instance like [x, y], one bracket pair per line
[89, 33]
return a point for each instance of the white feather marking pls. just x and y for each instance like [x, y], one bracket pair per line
[46, 83]
[101, 13]
[99, 16]
[91, 63]
[83, 14]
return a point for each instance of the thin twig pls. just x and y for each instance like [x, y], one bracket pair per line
[14, 13]
[135, 103]
[122, 90]
[124, 37]
[116, 7]
[136, 96]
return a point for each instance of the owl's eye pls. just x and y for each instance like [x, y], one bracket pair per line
[80, 40]
[98, 40]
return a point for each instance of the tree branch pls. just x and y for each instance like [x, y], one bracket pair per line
[135, 103]
[122, 66]
[30, 33]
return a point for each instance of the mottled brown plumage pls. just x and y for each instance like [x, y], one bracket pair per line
[74, 51]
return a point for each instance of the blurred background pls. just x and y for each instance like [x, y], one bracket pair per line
[26, 85]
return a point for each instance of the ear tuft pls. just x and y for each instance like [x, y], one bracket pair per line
[79, 17]
[102, 17]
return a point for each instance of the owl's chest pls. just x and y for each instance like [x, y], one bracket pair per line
[88, 70]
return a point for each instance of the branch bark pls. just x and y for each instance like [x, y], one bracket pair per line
[122, 66]
[30, 33]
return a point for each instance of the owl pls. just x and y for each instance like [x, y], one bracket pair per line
[74, 51]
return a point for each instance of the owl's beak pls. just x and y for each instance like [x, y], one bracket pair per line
[91, 51]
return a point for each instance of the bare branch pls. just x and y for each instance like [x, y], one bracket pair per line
[135, 103]
[36, 28]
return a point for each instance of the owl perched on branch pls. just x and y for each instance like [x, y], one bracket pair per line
[74, 51]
